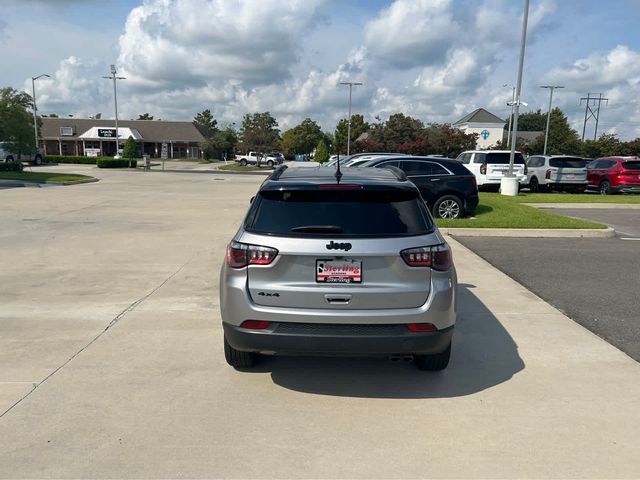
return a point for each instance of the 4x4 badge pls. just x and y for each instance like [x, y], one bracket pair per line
[338, 246]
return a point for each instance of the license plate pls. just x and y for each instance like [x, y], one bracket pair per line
[339, 271]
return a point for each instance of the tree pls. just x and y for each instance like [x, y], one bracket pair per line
[400, 129]
[605, 146]
[221, 145]
[130, 149]
[205, 118]
[562, 138]
[145, 116]
[531, 121]
[322, 154]
[16, 122]
[259, 132]
[358, 127]
[443, 139]
[302, 138]
[55, 115]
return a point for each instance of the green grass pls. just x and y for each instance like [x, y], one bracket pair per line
[239, 168]
[43, 177]
[498, 211]
[575, 198]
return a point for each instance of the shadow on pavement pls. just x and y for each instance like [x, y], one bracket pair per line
[484, 355]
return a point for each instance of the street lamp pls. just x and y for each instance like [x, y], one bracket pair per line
[509, 182]
[35, 108]
[115, 101]
[351, 84]
[546, 133]
[513, 101]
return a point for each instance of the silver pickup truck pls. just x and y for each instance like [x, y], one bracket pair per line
[6, 156]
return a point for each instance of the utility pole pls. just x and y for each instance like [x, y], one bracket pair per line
[115, 101]
[35, 108]
[351, 84]
[546, 133]
[591, 113]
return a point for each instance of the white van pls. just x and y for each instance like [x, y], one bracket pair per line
[489, 166]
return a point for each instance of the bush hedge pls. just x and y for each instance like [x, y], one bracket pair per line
[116, 163]
[73, 159]
[11, 166]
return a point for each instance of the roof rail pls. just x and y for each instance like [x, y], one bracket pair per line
[277, 172]
[400, 175]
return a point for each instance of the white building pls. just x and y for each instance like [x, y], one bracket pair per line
[490, 129]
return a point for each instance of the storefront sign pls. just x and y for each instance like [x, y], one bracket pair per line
[92, 152]
[107, 132]
[164, 154]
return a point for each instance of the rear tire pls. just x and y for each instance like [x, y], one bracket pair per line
[604, 188]
[448, 206]
[435, 362]
[270, 164]
[8, 159]
[534, 186]
[37, 160]
[243, 163]
[238, 359]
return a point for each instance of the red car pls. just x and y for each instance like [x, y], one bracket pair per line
[614, 175]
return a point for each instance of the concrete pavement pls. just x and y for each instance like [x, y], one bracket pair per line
[109, 308]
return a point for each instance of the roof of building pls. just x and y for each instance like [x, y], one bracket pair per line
[150, 130]
[480, 115]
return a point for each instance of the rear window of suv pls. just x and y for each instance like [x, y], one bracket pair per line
[348, 213]
[631, 165]
[499, 158]
[567, 162]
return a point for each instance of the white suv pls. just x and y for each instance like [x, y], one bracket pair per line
[559, 172]
[489, 166]
[7, 156]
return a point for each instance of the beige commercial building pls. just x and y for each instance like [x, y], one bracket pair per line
[96, 137]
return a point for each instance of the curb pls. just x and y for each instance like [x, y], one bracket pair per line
[34, 184]
[530, 232]
[584, 205]
[214, 172]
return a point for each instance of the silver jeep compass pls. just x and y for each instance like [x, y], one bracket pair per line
[338, 263]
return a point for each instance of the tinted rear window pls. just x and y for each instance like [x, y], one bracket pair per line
[631, 165]
[501, 158]
[349, 213]
[567, 162]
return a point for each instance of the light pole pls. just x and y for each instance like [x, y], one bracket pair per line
[115, 101]
[546, 133]
[509, 182]
[35, 108]
[513, 101]
[351, 84]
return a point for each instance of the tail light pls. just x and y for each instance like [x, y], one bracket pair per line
[240, 255]
[439, 258]
[421, 327]
[547, 174]
[255, 324]
[483, 169]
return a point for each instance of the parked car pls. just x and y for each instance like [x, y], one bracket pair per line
[448, 187]
[614, 175]
[368, 155]
[489, 166]
[251, 158]
[556, 172]
[273, 158]
[36, 157]
[350, 265]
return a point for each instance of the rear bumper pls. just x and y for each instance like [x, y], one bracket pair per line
[471, 203]
[626, 189]
[283, 338]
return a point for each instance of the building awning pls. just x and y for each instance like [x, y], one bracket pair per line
[106, 133]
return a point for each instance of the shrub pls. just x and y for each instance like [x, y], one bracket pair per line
[10, 166]
[130, 149]
[116, 163]
[73, 159]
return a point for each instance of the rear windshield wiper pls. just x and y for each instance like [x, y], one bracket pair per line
[318, 229]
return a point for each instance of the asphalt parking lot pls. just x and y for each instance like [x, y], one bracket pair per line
[111, 361]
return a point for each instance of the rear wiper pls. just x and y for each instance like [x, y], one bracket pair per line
[318, 229]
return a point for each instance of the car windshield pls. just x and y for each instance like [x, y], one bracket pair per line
[568, 162]
[352, 213]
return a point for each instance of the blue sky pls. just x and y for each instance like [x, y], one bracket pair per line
[432, 59]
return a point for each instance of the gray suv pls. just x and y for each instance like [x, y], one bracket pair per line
[346, 264]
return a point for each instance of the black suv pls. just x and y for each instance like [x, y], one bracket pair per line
[447, 186]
